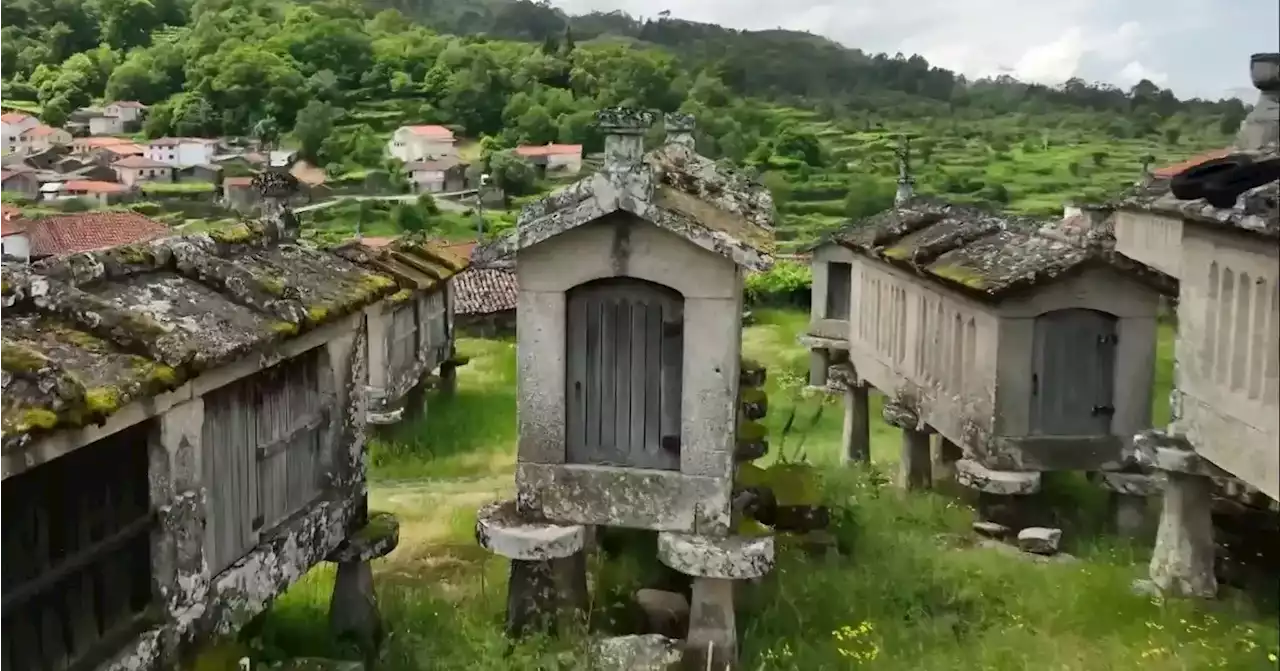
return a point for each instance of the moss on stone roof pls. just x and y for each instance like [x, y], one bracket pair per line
[978, 252]
[1257, 211]
[87, 334]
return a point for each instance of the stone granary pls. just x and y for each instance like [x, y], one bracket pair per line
[1226, 401]
[629, 336]
[410, 335]
[183, 438]
[1026, 350]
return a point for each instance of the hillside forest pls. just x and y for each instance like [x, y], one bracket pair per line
[816, 120]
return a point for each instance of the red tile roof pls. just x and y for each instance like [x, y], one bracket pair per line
[129, 103]
[93, 186]
[1169, 171]
[64, 234]
[377, 241]
[175, 141]
[463, 249]
[14, 117]
[550, 150]
[125, 149]
[431, 131]
[40, 131]
[484, 291]
[103, 141]
[139, 162]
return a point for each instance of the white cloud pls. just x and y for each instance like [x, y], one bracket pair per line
[1037, 40]
[1134, 72]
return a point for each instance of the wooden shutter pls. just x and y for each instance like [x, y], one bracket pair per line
[624, 374]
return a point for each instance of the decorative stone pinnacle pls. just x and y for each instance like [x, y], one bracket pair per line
[275, 184]
[1264, 70]
[678, 122]
[624, 120]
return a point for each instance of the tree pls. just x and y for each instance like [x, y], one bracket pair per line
[1172, 135]
[266, 132]
[312, 127]
[513, 174]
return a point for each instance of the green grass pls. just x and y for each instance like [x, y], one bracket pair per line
[162, 188]
[913, 590]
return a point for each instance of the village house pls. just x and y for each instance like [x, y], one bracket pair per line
[20, 180]
[63, 234]
[630, 285]
[133, 170]
[131, 374]
[1226, 402]
[238, 194]
[14, 243]
[550, 159]
[437, 175]
[13, 125]
[109, 154]
[410, 335]
[205, 174]
[128, 111]
[41, 138]
[181, 152]
[105, 125]
[84, 146]
[422, 143]
[98, 192]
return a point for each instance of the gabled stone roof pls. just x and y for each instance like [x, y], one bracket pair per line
[983, 254]
[1256, 211]
[485, 291]
[86, 334]
[672, 187]
[414, 261]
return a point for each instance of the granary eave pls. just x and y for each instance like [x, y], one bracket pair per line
[85, 335]
[1257, 211]
[698, 221]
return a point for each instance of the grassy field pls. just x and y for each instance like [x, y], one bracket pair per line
[913, 593]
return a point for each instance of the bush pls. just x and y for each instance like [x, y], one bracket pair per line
[783, 281]
[147, 209]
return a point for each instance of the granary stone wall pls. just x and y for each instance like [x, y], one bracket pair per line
[1228, 353]
[695, 497]
[944, 346]
[827, 289]
[1102, 289]
[1150, 238]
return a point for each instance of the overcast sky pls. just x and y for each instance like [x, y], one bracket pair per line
[1196, 47]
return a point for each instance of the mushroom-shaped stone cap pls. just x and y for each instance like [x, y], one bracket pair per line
[728, 557]
[624, 120]
[501, 530]
[1264, 69]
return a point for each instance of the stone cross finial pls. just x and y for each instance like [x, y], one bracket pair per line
[624, 130]
[679, 128]
[1261, 129]
[905, 180]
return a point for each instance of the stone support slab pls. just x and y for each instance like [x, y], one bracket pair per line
[726, 557]
[501, 530]
[975, 476]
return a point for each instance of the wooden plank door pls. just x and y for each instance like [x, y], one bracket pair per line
[624, 369]
[1073, 375]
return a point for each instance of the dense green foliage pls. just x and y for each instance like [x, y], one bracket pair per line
[816, 120]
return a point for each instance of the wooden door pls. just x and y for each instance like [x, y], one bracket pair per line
[625, 350]
[1073, 375]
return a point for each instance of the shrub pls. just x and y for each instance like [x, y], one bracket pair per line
[783, 280]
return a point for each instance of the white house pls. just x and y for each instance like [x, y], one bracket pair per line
[182, 152]
[126, 111]
[14, 242]
[132, 170]
[14, 125]
[106, 125]
[422, 143]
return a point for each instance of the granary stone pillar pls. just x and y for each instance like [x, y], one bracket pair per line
[178, 494]
[353, 607]
[714, 563]
[819, 362]
[914, 468]
[624, 131]
[1129, 496]
[548, 580]
[855, 435]
[1182, 563]
[944, 458]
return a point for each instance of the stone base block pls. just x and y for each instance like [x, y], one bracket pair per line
[1182, 563]
[378, 538]
[728, 557]
[975, 476]
[501, 530]
[650, 652]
